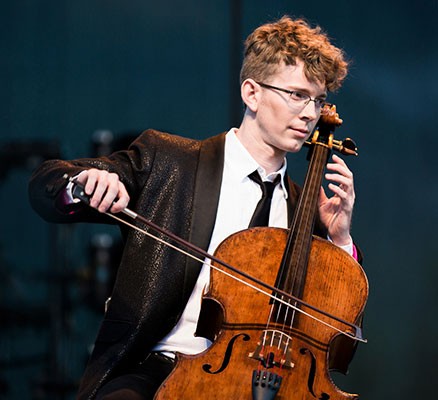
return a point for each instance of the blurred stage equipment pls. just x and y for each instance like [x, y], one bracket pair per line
[69, 286]
[26, 153]
[18, 312]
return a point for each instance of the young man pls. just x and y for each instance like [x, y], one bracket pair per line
[201, 191]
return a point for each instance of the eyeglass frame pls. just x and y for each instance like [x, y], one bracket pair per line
[291, 92]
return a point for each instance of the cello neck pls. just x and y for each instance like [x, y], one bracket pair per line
[294, 264]
[293, 269]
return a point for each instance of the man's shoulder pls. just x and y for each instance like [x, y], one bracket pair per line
[154, 135]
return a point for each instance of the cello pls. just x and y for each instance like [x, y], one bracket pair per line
[280, 343]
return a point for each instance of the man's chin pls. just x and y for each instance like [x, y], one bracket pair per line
[295, 147]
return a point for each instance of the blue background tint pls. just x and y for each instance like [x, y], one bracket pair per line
[71, 68]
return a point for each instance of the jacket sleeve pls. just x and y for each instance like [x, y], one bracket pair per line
[48, 182]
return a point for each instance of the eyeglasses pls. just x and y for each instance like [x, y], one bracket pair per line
[299, 98]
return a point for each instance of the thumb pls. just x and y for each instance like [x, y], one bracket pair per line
[322, 196]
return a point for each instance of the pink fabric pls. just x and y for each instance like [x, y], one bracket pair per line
[354, 252]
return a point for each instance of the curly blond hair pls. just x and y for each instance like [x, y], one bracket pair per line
[287, 40]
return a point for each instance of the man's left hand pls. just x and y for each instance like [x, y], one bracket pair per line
[336, 212]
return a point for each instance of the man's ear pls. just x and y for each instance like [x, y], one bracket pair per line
[250, 93]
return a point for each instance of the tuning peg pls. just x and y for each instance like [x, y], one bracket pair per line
[347, 147]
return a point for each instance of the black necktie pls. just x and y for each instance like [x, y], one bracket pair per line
[261, 213]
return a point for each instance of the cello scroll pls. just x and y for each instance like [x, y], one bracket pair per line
[328, 121]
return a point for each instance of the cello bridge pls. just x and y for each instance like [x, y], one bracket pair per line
[273, 350]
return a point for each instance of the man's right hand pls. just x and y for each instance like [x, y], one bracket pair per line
[106, 191]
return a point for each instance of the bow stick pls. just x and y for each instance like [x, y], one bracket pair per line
[78, 192]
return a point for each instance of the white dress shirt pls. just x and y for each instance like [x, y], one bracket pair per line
[238, 199]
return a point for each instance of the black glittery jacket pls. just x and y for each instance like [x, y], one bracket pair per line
[174, 182]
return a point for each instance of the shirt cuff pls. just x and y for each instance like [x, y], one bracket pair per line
[350, 248]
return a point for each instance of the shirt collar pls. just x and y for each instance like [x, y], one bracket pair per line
[238, 159]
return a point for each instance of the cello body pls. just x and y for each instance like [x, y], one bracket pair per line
[225, 371]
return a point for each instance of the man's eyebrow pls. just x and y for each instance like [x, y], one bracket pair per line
[306, 91]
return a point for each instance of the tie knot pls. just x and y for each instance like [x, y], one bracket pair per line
[261, 213]
[266, 186]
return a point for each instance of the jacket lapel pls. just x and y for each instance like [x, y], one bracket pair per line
[206, 198]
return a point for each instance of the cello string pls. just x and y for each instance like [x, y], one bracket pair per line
[311, 180]
[294, 278]
[208, 263]
[274, 331]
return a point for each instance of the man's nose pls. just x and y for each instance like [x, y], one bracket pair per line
[310, 111]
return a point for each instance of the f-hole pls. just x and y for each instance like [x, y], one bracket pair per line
[227, 355]
[311, 377]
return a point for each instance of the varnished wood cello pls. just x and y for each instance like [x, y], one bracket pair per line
[282, 344]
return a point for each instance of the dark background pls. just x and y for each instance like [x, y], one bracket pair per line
[72, 69]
